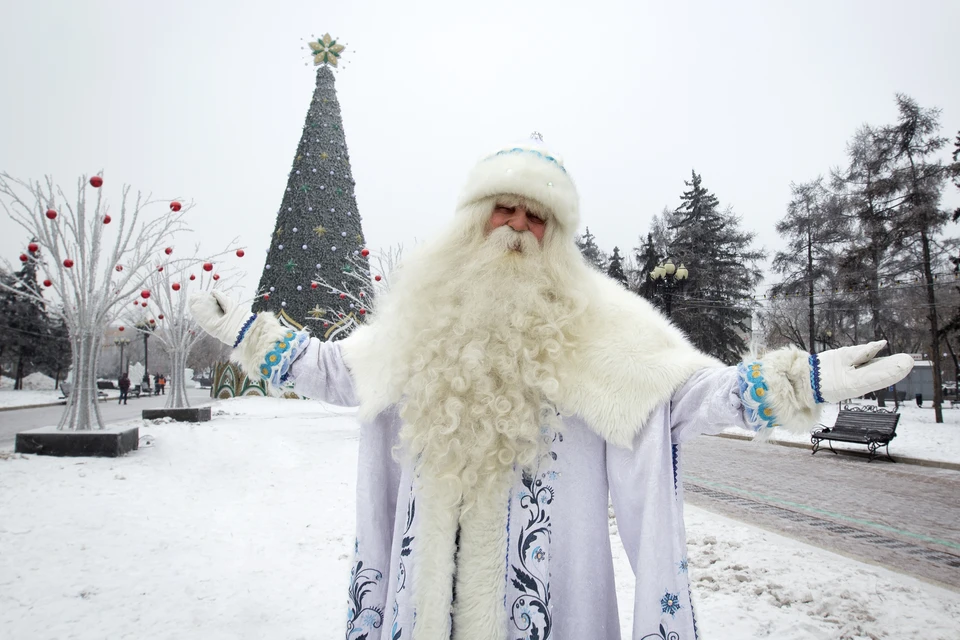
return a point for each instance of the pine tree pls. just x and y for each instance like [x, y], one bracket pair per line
[615, 270]
[647, 258]
[718, 306]
[318, 234]
[587, 244]
[24, 319]
[813, 226]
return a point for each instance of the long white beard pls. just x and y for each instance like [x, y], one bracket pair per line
[486, 361]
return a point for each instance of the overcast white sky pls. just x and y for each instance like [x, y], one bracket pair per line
[205, 100]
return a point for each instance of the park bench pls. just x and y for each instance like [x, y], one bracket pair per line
[869, 425]
[67, 387]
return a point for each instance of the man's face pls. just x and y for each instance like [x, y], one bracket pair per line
[517, 218]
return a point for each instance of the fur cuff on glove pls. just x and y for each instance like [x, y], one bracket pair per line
[260, 339]
[786, 373]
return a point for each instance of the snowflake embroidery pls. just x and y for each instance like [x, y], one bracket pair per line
[669, 603]
[683, 565]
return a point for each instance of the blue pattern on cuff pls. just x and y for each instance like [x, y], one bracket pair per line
[815, 378]
[754, 393]
[243, 330]
[275, 367]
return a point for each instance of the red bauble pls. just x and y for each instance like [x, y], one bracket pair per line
[365, 253]
[193, 277]
[216, 276]
[51, 214]
[314, 285]
[23, 257]
[144, 294]
[152, 321]
[47, 283]
[362, 311]
[208, 266]
[175, 206]
[168, 250]
[160, 268]
[362, 294]
[266, 296]
[96, 181]
[343, 296]
[121, 328]
[326, 324]
[239, 253]
[33, 246]
[68, 263]
[143, 304]
[119, 267]
[107, 219]
[136, 302]
[160, 317]
[340, 315]
[175, 286]
[377, 278]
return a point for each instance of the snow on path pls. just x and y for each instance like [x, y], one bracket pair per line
[243, 528]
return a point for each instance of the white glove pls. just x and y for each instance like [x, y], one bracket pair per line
[219, 315]
[849, 372]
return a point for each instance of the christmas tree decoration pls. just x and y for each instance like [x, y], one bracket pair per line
[96, 182]
[193, 277]
[216, 276]
[47, 283]
[119, 267]
[160, 268]
[365, 252]
[107, 219]
[144, 294]
[121, 328]
[239, 253]
[68, 263]
[175, 286]
[51, 214]
[33, 247]
[207, 266]
[377, 277]
[23, 257]
[175, 206]
[169, 250]
[160, 317]
[318, 200]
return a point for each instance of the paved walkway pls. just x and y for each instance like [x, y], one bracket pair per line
[905, 517]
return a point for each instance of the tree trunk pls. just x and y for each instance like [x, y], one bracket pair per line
[82, 412]
[177, 398]
[811, 321]
[934, 329]
[18, 375]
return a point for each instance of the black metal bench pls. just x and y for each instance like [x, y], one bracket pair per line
[869, 425]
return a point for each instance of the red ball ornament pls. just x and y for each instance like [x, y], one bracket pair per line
[362, 294]
[314, 285]
[136, 302]
[160, 317]
[365, 253]
[23, 257]
[266, 296]
[326, 324]
[119, 267]
[239, 253]
[160, 268]
[377, 278]
[47, 283]
[107, 219]
[175, 286]
[340, 314]
[51, 214]
[193, 277]
[216, 276]
[143, 304]
[33, 246]
[343, 296]
[208, 266]
[175, 206]
[152, 321]
[121, 328]
[68, 263]
[168, 250]
[362, 311]
[96, 181]
[144, 294]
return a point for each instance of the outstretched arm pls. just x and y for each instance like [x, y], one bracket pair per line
[266, 349]
[785, 388]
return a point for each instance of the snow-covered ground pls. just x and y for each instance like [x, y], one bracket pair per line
[243, 528]
[918, 434]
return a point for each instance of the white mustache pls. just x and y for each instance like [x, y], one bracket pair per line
[507, 238]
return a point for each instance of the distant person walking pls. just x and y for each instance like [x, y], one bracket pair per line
[124, 384]
[162, 382]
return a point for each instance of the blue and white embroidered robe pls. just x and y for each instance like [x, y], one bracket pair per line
[557, 564]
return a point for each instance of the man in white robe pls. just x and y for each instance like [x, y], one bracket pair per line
[505, 390]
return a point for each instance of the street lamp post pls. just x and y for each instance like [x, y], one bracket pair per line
[826, 340]
[669, 278]
[146, 330]
[122, 342]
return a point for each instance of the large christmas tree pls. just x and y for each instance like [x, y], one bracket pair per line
[318, 235]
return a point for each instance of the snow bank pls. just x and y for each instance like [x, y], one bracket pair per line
[243, 528]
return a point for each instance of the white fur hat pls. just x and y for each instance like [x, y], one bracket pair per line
[527, 169]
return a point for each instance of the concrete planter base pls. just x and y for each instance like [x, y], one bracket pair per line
[191, 414]
[48, 441]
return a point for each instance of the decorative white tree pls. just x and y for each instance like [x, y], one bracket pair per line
[165, 314]
[93, 262]
[356, 292]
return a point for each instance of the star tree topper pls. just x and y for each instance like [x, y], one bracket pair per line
[326, 51]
